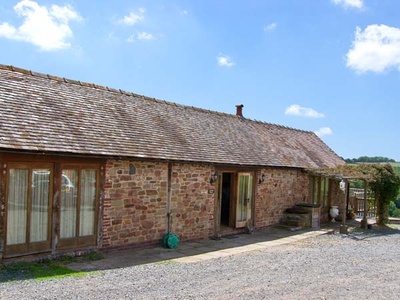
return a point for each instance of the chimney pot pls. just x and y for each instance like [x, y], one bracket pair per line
[239, 110]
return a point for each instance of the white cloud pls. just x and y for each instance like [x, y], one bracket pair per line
[375, 49]
[270, 27]
[131, 38]
[145, 36]
[46, 28]
[140, 36]
[133, 17]
[324, 131]
[297, 110]
[225, 61]
[350, 3]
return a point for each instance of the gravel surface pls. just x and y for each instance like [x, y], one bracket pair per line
[355, 266]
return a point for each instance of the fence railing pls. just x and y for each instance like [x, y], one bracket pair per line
[359, 208]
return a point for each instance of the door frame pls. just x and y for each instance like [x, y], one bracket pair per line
[233, 197]
[10, 160]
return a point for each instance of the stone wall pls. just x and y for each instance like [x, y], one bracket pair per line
[135, 206]
[192, 201]
[281, 189]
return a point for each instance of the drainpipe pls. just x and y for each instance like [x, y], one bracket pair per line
[169, 240]
[169, 197]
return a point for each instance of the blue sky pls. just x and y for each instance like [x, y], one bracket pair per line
[328, 66]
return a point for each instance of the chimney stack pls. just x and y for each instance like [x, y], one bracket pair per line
[239, 110]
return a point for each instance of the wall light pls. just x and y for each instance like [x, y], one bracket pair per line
[214, 178]
[261, 179]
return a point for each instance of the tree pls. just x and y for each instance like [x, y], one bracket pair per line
[369, 159]
[394, 211]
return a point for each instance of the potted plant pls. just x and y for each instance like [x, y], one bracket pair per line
[350, 214]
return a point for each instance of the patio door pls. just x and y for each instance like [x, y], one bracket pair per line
[244, 199]
[78, 208]
[28, 218]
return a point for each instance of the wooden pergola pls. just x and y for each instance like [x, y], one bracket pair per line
[346, 174]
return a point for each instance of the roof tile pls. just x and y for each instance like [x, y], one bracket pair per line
[49, 113]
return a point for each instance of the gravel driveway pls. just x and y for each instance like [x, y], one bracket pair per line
[355, 266]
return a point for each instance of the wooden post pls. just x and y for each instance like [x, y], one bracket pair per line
[343, 227]
[364, 221]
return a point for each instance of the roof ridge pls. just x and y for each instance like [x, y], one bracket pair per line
[106, 88]
[281, 126]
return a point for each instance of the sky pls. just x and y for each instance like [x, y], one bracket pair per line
[327, 66]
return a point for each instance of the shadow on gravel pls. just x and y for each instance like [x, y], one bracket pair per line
[210, 248]
[360, 234]
[139, 256]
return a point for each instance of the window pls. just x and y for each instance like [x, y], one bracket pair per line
[324, 191]
[319, 190]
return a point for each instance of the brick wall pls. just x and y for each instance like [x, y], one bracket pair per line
[281, 189]
[135, 206]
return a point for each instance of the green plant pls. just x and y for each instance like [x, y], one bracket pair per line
[35, 270]
[45, 268]
[394, 211]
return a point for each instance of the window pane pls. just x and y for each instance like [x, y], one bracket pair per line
[69, 198]
[88, 202]
[17, 206]
[326, 194]
[322, 191]
[40, 205]
[245, 195]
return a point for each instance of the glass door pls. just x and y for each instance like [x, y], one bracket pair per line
[29, 191]
[244, 199]
[78, 207]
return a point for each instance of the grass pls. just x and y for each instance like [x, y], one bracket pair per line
[44, 269]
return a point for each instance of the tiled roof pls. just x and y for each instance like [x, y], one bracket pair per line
[50, 114]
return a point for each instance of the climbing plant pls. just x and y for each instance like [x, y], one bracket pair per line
[386, 186]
